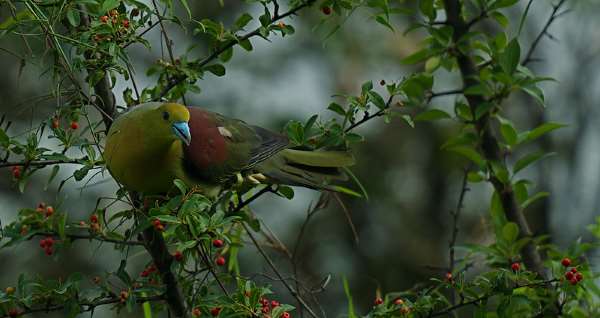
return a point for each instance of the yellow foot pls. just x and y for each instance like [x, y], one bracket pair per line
[256, 178]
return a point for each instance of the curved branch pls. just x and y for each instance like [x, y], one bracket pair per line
[553, 16]
[90, 305]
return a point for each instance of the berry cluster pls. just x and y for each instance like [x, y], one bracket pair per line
[94, 224]
[115, 18]
[572, 275]
[149, 270]
[403, 308]
[158, 225]
[48, 211]
[267, 306]
[46, 244]
[219, 260]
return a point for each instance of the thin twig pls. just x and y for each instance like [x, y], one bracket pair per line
[177, 80]
[276, 271]
[551, 19]
[455, 218]
[74, 237]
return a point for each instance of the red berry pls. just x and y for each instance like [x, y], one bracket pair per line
[378, 301]
[94, 218]
[16, 172]
[326, 10]
[578, 277]
[125, 23]
[569, 275]
[13, 313]
[263, 301]
[573, 281]
[217, 243]
[515, 266]
[178, 256]
[74, 125]
[399, 301]
[274, 303]
[196, 312]
[220, 260]
[215, 311]
[286, 315]
[449, 276]
[574, 270]
[156, 223]
[160, 228]
[566, 262]
[104, 19]
[55, 123]
[265, 309]
[144, 273]
[49, 211]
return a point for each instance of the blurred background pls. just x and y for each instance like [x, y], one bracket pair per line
[404, 228]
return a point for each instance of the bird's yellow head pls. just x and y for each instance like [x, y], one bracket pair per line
[173, 119]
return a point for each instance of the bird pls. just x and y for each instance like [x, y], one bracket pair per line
[151, 145]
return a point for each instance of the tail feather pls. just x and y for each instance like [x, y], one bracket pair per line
[313, 169]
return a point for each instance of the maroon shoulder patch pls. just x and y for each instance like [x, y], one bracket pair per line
[208, 147]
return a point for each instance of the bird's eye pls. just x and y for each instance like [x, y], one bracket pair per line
[165, 115]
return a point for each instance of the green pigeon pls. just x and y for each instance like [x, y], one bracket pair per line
[152, 144]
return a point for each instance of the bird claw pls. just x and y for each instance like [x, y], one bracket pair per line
[254, 178]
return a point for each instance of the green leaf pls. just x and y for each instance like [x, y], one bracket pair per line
[286, 191]
[73, 17]
[509, 59]
[502, 4]
[432, 114]
[217, 69]
[337, 108]
[535, 92]
[427, 8]
[510, 232]
[418, 56]
[186, 6]
[542, 130]
[181, 186]
[242, 21]
[508, 131]
[383, 20]
[469, 153]
[529, 159]
[534, 198]
[167, 219]
[351, 313]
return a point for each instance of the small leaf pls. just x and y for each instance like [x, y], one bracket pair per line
[337, 108]
[529, 159]
[468, 153]
[509, 59]
[432, 114]
[216, 69]
[541, 130]
[510, 232]
[181, 186]
[535, 197]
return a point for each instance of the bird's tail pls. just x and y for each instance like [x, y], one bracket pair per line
[313, 169]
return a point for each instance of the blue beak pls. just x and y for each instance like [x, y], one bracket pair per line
[182, 130]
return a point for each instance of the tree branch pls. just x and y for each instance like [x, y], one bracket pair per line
[489, 144]
[179, 79]
[75, 237]
[90, 305]
[529, 56]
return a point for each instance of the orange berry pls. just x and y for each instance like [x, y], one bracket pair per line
[49, 211]
[399, 301]
[74, 125]
[196, 312]
[104, 19]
